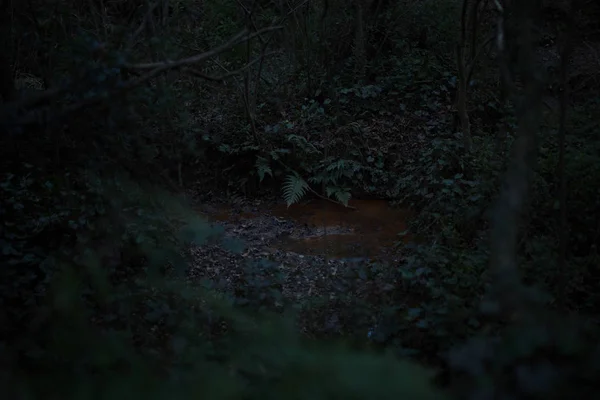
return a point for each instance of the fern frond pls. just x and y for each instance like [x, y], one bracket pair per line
[329, 190]
[343, 197]
[337, 165]
[340, 194]
[303, 144]
[317, 179]
[263, 167]
[293, 189]
[276, 154]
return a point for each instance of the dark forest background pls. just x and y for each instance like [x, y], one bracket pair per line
[481, 116]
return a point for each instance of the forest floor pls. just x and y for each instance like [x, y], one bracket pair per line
[307, 248]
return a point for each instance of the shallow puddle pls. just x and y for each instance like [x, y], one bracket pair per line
[323, 228]
[341, 232]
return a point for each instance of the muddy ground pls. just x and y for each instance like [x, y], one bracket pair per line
[303, 253]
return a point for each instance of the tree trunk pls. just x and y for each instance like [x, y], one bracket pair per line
[360, 40]
[461, 101]
[507, 288]
[8, 91]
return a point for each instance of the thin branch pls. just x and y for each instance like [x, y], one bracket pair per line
[478, 54]
[139, 30]
[239, 38]
[228, 74]
[260, 66]
[313, 191]
[293, 10]
[562, 187]
[249, 14]
[157, 68]
[34, 116]
[34, 99]
[463, 21]
[474, 20]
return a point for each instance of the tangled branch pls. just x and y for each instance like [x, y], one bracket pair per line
[27, 113]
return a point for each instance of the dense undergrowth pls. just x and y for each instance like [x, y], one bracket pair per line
[102, 138]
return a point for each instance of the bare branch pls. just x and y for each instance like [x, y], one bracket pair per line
[229, 74]
[155, 69]
[474, 26]
[140, 29]
[477, 54]
[239, 38]
[562, 133]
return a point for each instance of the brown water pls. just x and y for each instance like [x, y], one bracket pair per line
[370, 230]
[338, 232]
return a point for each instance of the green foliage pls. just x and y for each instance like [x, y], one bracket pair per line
[259, 288]
[97, 296]
[581, 170]
[294, 188]
[453, 189]
[340, 194]
[263, 168]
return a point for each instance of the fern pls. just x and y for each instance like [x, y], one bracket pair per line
[340, 194]
[294, 188]
[336, 165]
[263, 168]
[343, 197]
[303, 144]
[318, 179]
[276, 154]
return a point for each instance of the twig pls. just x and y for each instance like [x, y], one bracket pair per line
[30, 101]
[478, 53]
[562, 186]
[239, 38]
[156, 69]
[249, 16]
[330, 200]
[228, 74]
[139, 30]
